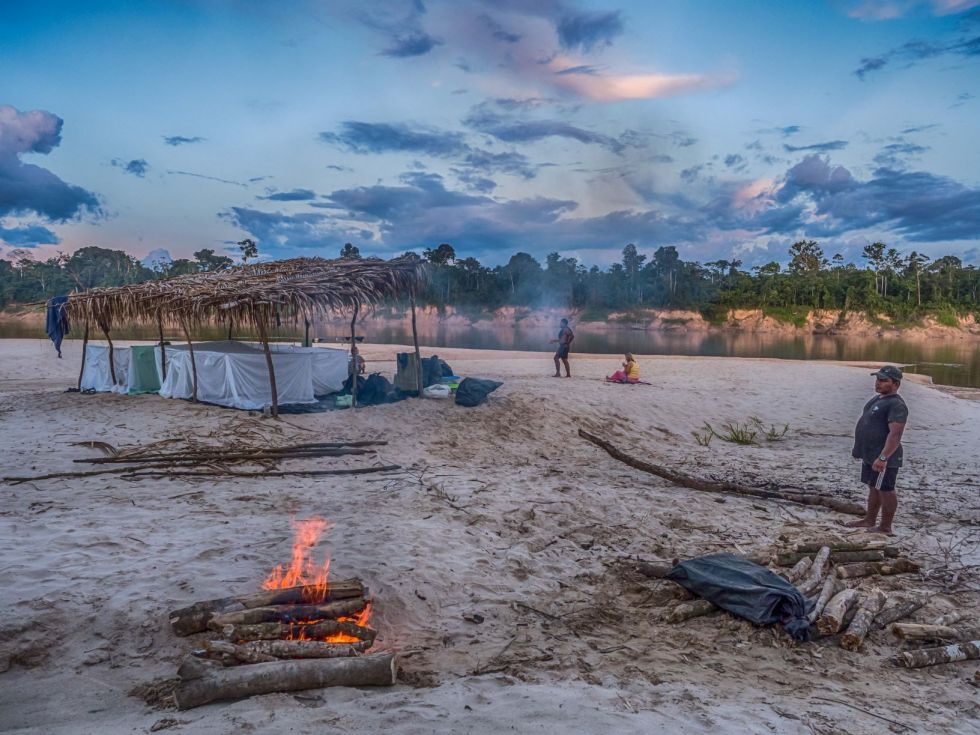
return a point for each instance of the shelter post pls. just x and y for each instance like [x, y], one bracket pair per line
[353, 356]
[190, 346]
[418, 355]
[81, 372]
[264, 336]
[231, 323]
[306, 334]
[163, 349]
[112, 359]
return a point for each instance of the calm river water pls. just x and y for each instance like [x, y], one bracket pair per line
[954, 362]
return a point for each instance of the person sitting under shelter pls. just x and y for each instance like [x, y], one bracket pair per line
[630, 372]
[356, 365]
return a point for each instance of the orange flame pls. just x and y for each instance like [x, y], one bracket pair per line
[304, 572]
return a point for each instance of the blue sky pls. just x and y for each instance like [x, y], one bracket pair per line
[727, 129]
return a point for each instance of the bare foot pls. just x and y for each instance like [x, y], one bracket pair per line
[860, 524]
[556, 375]
[885, 531]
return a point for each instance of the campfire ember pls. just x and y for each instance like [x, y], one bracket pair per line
[300, 614]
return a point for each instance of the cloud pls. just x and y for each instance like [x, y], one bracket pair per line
[26, 188]
[616, 87]
[918, 205]
[869, 65]
[586, 30]
[915, 51]
[877, 10]
[894, 155]
[136, 167]
[416, 43]
[29, 236]
[363, 137]
[830, 145]
[296, 195]
[508, 163]
[485, 119]
[961, 99]
[497, 31]
[735, 162]
[176, 140]
[276, 232]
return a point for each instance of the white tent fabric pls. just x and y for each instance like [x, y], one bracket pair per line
[235, 374]
[96, 374]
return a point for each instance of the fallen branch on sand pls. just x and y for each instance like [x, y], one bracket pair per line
[968, 651]
[696, 483]
[272, 473]
[286, 676]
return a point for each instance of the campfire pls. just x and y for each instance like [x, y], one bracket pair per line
[301, 631]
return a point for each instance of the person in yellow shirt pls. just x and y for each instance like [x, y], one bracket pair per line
[630, 372]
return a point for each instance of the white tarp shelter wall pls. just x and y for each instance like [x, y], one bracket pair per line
[96, 374]
[235, 374]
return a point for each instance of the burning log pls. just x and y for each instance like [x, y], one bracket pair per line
[711, 486]
[303, 649]
[688, 610]
[828, 591]
[289, 613]
[966, 651]
[897, 608]
[239, 653]
[917, 632]
[287, 676]
[311, 631]
[867, 568]
[835, 612]
[194, 618]
[799, 571]
[863, 618]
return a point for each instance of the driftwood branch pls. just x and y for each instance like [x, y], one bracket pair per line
[867, 568]
[287, 676]
[140, 474]
[696, 483]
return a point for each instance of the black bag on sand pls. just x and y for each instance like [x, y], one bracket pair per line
[474, 391]
[746, 589]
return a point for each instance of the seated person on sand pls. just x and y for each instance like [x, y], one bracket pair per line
[630, 372]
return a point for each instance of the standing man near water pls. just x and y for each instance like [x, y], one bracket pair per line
[565, 337]
[878, 444]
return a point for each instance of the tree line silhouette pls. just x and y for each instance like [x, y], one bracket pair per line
[903, 286]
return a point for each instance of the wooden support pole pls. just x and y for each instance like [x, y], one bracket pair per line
[418, 354]
[264, 336]
[112, 362]
[287, 676]
[306, 332]
[353, 356]
[190, 346]
[81, 370]
[163, 349]
[231, 325]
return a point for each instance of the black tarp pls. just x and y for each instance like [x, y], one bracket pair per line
[746, 589]
[57, 321]
[474, 391]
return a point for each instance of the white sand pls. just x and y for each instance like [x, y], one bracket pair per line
[512, 509]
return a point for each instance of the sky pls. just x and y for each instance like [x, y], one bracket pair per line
[726, 129]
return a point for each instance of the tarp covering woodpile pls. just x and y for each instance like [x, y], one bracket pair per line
[250, 294]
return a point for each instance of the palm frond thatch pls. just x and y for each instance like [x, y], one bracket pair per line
[307, 287]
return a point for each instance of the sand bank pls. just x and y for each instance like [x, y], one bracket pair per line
[502, 511]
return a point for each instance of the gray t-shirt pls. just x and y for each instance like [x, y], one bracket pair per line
[872, 428]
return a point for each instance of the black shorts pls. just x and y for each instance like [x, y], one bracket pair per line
[870, 477]
[562, 352]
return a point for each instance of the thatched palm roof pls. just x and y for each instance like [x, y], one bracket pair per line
[305, 287]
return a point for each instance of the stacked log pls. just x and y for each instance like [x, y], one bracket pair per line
[967, 651]
[800, 570]
[829, 590]
[814, 578]
[864, 617]
[901, 608]
[835, 614]
[917, 632]
[280, 640]
[867, 568]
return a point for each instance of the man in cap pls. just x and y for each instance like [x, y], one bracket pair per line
[878, 444]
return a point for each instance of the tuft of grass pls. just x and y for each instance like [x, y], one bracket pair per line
[704, 437]
[737, 433]
[771, 433]
[795, 315]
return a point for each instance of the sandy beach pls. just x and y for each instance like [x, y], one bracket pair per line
[500, 511]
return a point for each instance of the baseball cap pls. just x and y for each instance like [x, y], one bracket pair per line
[888, 371]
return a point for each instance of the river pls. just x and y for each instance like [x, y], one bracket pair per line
[948, 362]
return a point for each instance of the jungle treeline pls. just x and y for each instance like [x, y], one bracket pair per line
[905, 286]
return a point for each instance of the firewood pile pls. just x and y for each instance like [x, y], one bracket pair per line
[841, 580]
[300, 632]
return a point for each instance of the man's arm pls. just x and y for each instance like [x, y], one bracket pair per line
[894, 438]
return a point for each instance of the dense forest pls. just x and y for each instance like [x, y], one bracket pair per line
[904, 286]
